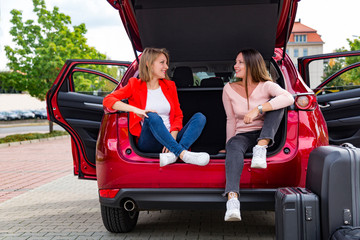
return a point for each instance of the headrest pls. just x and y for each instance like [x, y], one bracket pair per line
[183, 77]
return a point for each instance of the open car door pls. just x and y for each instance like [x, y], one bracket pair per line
[75, 103]
[338, 94]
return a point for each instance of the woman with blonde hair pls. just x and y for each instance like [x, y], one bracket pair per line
[155, 114]
[254, 107]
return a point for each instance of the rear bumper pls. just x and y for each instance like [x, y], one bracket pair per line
[191, 199]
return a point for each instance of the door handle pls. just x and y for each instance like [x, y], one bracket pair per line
[324, 106]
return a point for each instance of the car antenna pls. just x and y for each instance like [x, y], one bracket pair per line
[129, 31]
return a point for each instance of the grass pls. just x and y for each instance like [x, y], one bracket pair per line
[30, 136]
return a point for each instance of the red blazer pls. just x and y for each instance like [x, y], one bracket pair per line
[136, 93]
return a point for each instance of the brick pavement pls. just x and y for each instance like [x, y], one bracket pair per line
[60, 206]
[26, 166]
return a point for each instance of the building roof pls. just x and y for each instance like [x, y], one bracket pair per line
[311, 34]
[301, 28]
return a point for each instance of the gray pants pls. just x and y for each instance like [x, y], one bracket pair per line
[237, 146]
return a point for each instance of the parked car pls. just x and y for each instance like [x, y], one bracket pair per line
[3, 116]
[25, 114]
[40, 114]
[12, 115]
[202, 48]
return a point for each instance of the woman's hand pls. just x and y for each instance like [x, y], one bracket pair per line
[250, 116]
[142, 113]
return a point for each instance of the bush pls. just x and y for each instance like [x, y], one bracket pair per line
[30, 136]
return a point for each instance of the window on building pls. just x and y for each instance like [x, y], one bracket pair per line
[300, 38]
[287, 51]
[305, 52]
[296, 52]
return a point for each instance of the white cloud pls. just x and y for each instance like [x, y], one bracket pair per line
[105, 29]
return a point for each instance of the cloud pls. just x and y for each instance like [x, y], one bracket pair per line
[95, 13]
[105, 29]
[335, 21]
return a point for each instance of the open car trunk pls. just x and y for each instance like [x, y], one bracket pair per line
[205, 37]
[206, 98]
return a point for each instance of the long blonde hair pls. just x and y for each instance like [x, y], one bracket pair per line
[147, 59]
[256, 67]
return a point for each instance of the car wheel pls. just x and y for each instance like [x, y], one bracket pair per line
[118, 220]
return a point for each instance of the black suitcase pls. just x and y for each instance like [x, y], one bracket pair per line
[346, 233]
[296, 214]
[334, 175]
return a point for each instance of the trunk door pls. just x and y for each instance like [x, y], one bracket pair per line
[207, 30]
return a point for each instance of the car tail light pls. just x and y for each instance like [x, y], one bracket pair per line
[306, 102]
[108, 193]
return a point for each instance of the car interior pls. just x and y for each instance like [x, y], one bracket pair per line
[200, 90]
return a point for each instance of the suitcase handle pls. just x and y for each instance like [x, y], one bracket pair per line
[348, 145]
[303, 190]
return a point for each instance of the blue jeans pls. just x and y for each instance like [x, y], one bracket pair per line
[154, 135]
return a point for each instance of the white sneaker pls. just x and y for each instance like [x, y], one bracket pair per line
[201, 158]
[167, 158]
[232, 210]
[259, 157]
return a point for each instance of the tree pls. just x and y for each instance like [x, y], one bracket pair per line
[353, 76]
[42, 49]
[350, 77]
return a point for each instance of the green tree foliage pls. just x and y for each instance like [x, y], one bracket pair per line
[351, 77]
[334, 64]
[6, 82]
[42, 48]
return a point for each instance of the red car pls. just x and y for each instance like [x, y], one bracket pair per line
[203, 39]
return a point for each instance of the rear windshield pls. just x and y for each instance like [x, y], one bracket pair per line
[187, 77]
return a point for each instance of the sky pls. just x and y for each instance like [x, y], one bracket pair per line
[334, 20]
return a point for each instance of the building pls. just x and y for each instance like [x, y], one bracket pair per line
[306, 41]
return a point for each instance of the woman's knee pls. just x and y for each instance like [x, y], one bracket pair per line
[152, 116]
[200, 118]
[235, 146]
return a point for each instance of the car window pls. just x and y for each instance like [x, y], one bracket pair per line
[199, 76]
[339, 75]
[343, 82]
[187, 77]
[98, 80]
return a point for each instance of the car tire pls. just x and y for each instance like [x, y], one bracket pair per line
[118, 220]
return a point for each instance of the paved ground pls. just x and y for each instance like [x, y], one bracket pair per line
[41, 199]
[28, 165]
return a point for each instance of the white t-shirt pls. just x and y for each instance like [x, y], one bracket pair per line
[157, 101]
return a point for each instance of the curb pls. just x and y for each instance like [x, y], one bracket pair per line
[4, 145]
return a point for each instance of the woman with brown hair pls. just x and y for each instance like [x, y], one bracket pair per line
[254, 108]
[155, 114]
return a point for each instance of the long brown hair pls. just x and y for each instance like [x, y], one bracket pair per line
[147, 59]
[256, 67]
